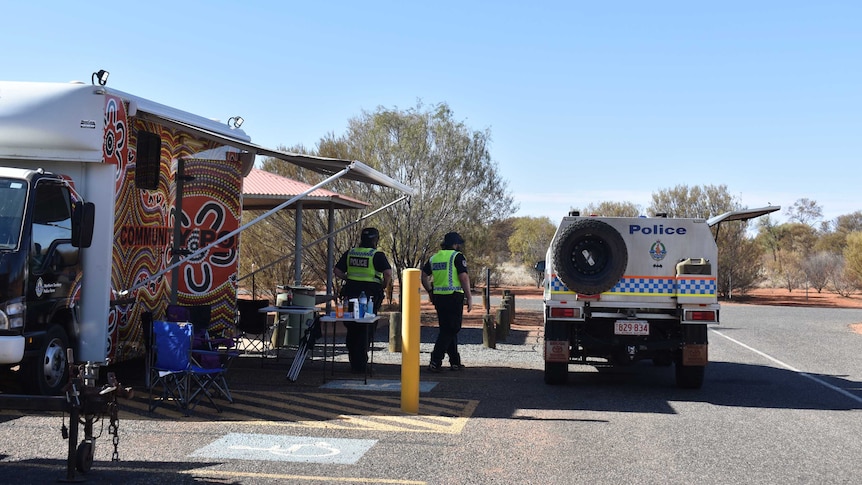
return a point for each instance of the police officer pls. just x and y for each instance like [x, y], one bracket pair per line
[363, 268]
[445, 279]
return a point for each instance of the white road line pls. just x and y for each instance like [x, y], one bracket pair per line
[791, 368]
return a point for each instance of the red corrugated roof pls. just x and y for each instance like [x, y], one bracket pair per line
[265, 190]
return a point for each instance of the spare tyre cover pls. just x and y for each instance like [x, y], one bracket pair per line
[590, 256]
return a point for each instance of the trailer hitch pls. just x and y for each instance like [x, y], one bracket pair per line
[85, 404]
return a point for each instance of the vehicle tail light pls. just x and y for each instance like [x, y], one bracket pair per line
[700, 315]
[565, 312]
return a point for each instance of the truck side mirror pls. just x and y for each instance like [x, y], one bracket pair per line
[540, 267]
[83, 219]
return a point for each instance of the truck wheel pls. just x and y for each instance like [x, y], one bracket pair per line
[663, 360]
[556, 373]
[46, 374]
[590, 256]
[689, 376]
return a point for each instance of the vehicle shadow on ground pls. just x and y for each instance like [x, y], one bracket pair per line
[52, 471]
[644, 388]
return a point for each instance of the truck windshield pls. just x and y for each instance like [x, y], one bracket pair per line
[13, 193]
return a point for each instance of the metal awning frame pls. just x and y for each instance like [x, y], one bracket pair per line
[329, 235]
[292, 200]
[333, 168]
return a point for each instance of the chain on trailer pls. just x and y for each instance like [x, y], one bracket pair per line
[85, 404]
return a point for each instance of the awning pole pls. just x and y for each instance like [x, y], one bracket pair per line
[297, 267]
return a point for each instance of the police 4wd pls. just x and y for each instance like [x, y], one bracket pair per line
[622, 289]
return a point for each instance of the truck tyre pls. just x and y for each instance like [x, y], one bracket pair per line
[556, 373]
[590, 256]
[689, 376]
[47, 374]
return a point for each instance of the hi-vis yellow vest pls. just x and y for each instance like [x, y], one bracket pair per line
[444, 274]
[360, 265]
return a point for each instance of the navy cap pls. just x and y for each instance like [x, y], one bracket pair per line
[370, 233]
[452, 238]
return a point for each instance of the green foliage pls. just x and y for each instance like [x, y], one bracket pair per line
[488, 250]
[740, 260]
[698, 201]
[530, 240]
[853, 259]
[459, 187]
[612, 209]
[805, 211]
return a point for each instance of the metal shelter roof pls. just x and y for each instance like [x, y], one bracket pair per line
[262, 190]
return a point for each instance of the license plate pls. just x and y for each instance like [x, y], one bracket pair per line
[631, 327]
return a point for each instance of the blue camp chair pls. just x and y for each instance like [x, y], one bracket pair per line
[176, 369]
[221, 353]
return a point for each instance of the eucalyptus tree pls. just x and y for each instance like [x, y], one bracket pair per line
[459, 187]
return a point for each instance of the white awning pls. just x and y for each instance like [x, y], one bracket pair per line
[210, 130]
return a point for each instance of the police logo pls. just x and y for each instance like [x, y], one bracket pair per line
[658, 251]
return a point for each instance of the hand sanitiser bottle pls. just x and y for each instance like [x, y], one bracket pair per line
[363, 302]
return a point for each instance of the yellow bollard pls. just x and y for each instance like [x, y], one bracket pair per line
[410, 338]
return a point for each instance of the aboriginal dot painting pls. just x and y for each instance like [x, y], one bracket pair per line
[143, 230]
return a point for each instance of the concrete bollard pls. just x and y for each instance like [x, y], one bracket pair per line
[489, 333]
[502, 329]
[395, 332]
[506, 302]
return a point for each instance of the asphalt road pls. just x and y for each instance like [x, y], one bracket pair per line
[781, 404]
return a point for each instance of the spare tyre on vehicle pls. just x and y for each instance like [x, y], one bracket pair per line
[590, 256]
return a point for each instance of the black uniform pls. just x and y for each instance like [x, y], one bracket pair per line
[356, 338]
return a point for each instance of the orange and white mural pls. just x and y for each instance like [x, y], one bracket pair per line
[144, 222]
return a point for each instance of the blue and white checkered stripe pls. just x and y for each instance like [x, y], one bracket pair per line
[652, 286]
[558, 286]
[696, 286]
[644, 286]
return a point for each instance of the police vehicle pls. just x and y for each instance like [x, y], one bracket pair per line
[623, 289]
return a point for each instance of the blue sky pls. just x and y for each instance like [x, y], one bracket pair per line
[585, 101]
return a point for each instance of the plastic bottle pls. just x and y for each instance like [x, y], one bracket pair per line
[363, 302]
[370, 310]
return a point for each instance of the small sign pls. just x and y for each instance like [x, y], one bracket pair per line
[694, 354]
[556, 351]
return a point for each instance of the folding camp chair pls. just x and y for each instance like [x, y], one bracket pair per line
[215, 353]
[252, 326]
[182, 379]
[306, 345]
[199, 316]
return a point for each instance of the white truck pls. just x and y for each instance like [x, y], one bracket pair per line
[112, 206]
[622, 289]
